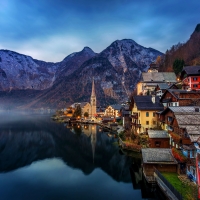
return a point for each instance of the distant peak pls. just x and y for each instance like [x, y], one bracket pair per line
[87, 49]
[197, 29]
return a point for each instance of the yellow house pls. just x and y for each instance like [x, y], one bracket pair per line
[144, 112]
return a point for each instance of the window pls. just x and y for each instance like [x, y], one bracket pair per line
[154, 122]
[157, 143]
[169, 119]
[195, 79]
[195, 86]
[154, 114]
[147, 114]
[139, 114]
[147, 122]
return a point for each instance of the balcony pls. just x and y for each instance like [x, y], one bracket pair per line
[134, 115]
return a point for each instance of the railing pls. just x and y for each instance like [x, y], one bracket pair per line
[173, 190]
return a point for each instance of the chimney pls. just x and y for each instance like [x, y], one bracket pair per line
[153, 98]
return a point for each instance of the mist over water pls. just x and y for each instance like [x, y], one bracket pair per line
[40, 159]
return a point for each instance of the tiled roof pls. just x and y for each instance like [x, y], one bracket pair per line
[185, 119]
[158, 155]
[163, 86]
[191, 70]
[177, 92]
[145, 103]
[191, 122]
[184, 109]
[116, 106]
[158, 134]
[158, 77]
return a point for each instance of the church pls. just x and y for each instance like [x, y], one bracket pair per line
[87, 107]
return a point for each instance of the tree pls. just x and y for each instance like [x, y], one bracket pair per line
[86, 114]
[77, 112]
[178, 66]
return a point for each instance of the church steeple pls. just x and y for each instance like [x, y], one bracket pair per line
[93, 100]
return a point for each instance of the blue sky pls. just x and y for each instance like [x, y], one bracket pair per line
[50, 30]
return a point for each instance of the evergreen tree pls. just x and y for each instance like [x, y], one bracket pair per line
[178, 66]
[77, 112]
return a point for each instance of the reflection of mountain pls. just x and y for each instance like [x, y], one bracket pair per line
[22, 142]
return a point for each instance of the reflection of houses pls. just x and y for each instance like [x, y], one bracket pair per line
[158, 139]
[144, 112]
[149, 81]
[113, 110]
[175, 97]
[159, 158]
[190, 77]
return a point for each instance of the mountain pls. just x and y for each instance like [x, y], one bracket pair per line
[188, 52]
[116, 70]
[19, 71]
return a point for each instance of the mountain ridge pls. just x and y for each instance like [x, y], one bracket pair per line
[116, 71]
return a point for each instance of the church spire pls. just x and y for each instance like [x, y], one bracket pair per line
[93, 100]
[93, 89]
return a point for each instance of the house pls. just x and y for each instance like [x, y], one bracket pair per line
[149, 81]
[159, 158]
[183, 125]
[190, 77]
[153, 67]
[113, 110]
[144, 112]
[178, 122]
[176, 97]
[162, 87]
[158, 139]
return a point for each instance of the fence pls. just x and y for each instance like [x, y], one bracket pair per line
[173, 190]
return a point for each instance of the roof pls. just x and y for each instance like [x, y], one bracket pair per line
[116, 106]
[163, 86]
[184, 109]
[158, 155]
[181, 109]
[158, 134]
[190, 70]
[82, 104]
[177, 92]
[145, 103]
[190, 122]
[158, 77]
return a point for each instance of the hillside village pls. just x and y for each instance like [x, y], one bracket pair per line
[162, 121]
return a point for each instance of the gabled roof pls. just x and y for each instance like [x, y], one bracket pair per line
[190, 122]
[158, 155]
[190, 71]
[163, 86]
[181, 109]
[158, 134]
[116, 106]
[158, 77]
[145, 103]
[177, 92]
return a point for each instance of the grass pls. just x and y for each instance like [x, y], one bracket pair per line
[188, 190]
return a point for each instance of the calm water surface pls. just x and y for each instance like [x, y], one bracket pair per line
[40, 159]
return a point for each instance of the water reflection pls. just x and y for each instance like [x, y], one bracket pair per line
[55, 161]
[84, 148]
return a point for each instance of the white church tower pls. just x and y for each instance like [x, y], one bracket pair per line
[93, 101]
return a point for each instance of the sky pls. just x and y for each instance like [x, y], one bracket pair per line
[50, 30]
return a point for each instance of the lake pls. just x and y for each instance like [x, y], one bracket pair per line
[41, 159]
